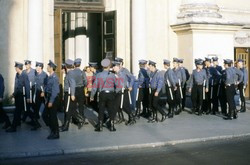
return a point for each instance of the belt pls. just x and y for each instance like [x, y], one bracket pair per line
[198, 83]
[106, 91]
[228, 85]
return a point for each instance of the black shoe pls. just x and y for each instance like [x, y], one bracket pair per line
[99, 127]
[112, 127]
[32, 123]
[36, 127]
[235, 114]
[11, 129]
[152, 120]
[65, 127]
[6, 125]
[53, 135]
[164, 117]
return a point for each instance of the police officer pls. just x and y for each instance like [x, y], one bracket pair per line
[52, 101]
[105, 84]
[170, 83]
[3, 115]
[156, 84]
[243, 84]
[181, 79]
[70, 97]
[198, 86]
[184, 89]
[81, 81]
[122, 92]
[31, 75]
[130, 80]
[41, 79]
[21, 95]
[216, 64]
[143, 92]
[230, 77]
[213, 77]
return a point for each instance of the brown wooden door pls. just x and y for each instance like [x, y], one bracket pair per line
[243, 53]
[109, 35]
[58, 42]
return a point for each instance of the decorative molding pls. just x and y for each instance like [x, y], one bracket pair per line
[242, 38]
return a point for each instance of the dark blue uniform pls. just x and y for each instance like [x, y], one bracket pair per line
[51, 95]
[156, 84]
[105, 85]
[3, 115]
[21, 94]
[170, 83]
[229, 79]
[40, 83]
[143, 84]
[242, 88]
[196, 83]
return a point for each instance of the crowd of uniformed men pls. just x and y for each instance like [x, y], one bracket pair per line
[110, 94]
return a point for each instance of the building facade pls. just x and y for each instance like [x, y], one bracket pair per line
[40, 30]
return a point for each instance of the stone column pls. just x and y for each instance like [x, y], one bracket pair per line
[138, 33]
[70, 34]
[80, 38]
[35, 30]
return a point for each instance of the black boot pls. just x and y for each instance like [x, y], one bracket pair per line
[164, 116]
[7, 124]
[243, 108]
[200, 111]
[65, 127]
[11, 129]
[99, 127]
[229, 116]
[112, 126]
[235, 114]
[171, 114]
[131, 120]
[53, 135]
[36, 126]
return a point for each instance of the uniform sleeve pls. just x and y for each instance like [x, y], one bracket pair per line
[183, 75]
[160, 82]
[27, 86]
[55, 90]
[72, 83]
[45, 81]
[1, 86]
[131, 79]
[240, 76]
[191, 81]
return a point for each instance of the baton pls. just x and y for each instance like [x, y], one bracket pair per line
[67, 109]
[129, 96]
[170, 90]
[34, 98]
[97, 98]
[180, 89]
[149, 89]
[122, 97]
[24, 100]
[30, 92]
[137, 94]
[243, 91]
[204, 92]
[44, 96]
[212, 88]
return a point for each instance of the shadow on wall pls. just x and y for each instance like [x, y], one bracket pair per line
[6, 7]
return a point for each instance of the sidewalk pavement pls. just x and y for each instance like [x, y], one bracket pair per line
[183, 128]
